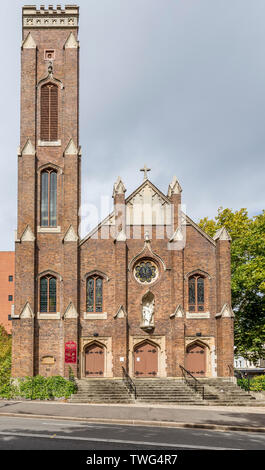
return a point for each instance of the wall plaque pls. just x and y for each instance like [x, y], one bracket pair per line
[48, 360]
[70, 352]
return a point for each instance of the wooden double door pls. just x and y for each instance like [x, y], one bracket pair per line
[94, 360]
[196, 360]
[146, 360]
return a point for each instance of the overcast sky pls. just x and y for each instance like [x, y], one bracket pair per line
[176, 84]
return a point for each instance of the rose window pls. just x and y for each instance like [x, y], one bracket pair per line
[146, 272]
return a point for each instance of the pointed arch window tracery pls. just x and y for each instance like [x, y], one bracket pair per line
[48, 294]
[196, 293]
[94, 294]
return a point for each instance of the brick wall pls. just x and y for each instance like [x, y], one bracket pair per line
[47, 252]
[7, 268]
[39, 340]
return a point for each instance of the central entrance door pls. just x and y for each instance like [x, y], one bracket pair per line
[94, 364]
[145, 360]
[196, 360]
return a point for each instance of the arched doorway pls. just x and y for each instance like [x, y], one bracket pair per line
[94, 360]
[145, 360]
[196, 359]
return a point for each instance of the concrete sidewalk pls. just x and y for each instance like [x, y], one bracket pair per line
[238, 418]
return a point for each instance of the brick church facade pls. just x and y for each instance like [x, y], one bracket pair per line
[147, 290]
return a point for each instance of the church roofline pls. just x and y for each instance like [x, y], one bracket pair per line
[146, 182]
[190, 222]
[139, 188]
[95, 229]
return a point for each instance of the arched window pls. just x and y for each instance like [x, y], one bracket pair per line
[49, 198]
[49, 112]
[94, 294]
[48, 297]
[196, 293]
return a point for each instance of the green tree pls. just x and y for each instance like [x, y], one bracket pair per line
[248, 277]
[5, 356]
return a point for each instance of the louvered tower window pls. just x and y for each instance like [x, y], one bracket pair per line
[49, 113]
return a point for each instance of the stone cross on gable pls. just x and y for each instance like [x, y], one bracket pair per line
[145, 169]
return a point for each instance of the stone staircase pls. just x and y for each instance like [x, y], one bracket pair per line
[166, 391]
[101, 391]
[222, 391]
[219, 391]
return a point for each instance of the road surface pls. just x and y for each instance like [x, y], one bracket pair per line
[46, 434]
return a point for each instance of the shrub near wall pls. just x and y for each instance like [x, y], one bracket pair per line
[257, 384]
[5, 362]
[37, 388]
[44, 388]
[33, 388]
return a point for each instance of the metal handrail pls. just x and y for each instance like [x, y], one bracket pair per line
[195, 384]
[129, 382]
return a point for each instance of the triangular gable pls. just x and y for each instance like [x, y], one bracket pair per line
[158, 198]
[150, 185]
[147, 205]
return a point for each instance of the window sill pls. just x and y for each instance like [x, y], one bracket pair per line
[44, 143]
[49, 229]
[95, 316]
[198, 315]
[48, 316]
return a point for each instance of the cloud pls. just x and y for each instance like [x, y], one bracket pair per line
[178, 85]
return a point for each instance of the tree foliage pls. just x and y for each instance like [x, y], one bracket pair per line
[5, 360]
[248, 277]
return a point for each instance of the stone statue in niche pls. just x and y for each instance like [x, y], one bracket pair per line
[148, 307]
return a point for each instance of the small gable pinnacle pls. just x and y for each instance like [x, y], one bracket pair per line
[27, 235]
[71, 42]
[222, 234]
[28, 148]
[174, 187]
[70, 312]
[26, 312]
[71, 148]
[29, 43]
[118, 187]
[70, 235]
[121, 237]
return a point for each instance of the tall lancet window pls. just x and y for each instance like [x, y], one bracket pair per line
[49, 198]
[49, 112]
[48, 294]
[94, 294]
[196, 294]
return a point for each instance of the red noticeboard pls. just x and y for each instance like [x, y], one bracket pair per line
[70, 352]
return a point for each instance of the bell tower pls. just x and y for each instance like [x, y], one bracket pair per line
[45, 317]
